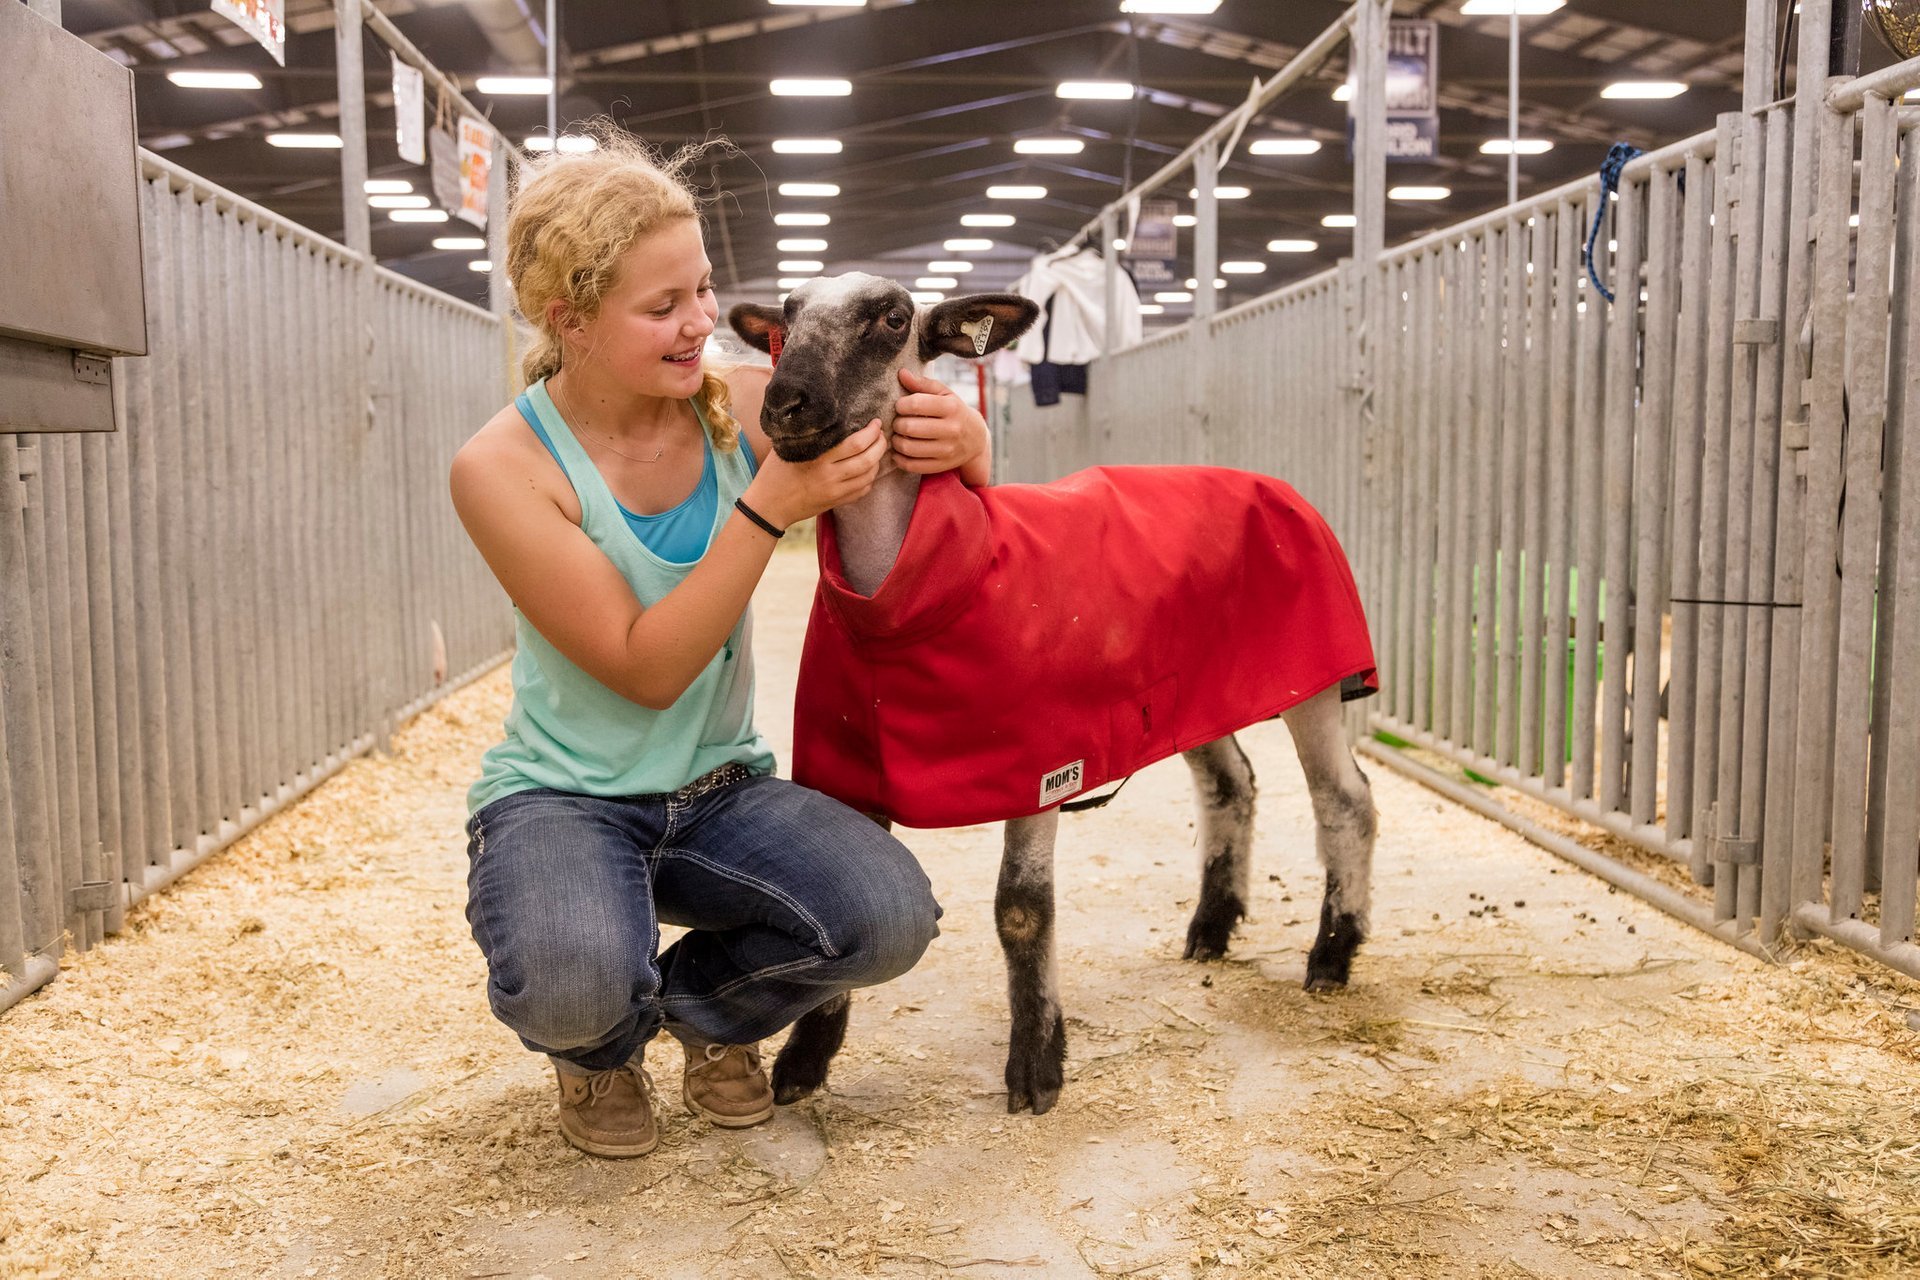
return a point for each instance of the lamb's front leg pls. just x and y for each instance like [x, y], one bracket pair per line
[1023, 914]
[1344, 820]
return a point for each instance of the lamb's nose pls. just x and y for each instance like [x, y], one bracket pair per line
[785, 403]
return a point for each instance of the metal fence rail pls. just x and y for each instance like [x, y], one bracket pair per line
[1650, 561]
[209, 610]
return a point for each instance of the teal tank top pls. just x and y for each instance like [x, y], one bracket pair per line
[569, 732]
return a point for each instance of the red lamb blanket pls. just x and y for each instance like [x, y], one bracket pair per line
[1035, 641]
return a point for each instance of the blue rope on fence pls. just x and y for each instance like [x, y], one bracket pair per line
[1610, 170]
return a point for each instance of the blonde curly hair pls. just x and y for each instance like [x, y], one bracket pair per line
[570, 222]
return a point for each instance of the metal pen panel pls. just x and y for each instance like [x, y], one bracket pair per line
[1684, 550]
[1511, 488]
[1590, 397]
[1622, 375]
[1535, 423]
[1558, 424]
[1652, 478]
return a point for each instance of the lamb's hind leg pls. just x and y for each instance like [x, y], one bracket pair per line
[1023, 915]
[1344, 821]
[1223, 788]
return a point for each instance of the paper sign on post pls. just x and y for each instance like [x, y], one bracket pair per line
[476, 162]
[410, 111]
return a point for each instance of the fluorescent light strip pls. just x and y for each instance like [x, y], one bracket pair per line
[1419, 193]
[1283, 146]
[514, 86]
[986, 219]
[1185, 220]
[469, 243]
[305, 141]
[1016, 193]
[804, 87]
[949, 268]
[1049, 146]
[417, 215]
[966, 246]
[806, 146]
[1242, 268]
[479, 264]
[1292, 246]
[214, 79]
[1644, 89]
[801, 219]
[387, 186]
[1175, 295]
[809, 265]
[1222, 193]
[820, 189]
[1113, 90]
[1504, 8]
[1522, 146]
[399, 202]
[1151, 309]
[1339, 220]
[1169, 6]
[936, 282]
[801, 246]
[927, 297]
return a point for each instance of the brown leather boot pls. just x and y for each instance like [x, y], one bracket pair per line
[608, 1113]
[726, 1085]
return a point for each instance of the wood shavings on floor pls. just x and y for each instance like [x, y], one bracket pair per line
[286, 1068]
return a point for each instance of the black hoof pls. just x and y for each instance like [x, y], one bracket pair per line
[1210, 932]
[1331, 960]
[1036, 1067]
[801, 1067]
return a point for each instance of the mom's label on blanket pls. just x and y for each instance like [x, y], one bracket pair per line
[1062, 782]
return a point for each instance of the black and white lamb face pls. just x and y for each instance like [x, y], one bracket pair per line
[844, 340]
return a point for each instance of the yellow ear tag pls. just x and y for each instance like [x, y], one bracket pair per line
[978, 331]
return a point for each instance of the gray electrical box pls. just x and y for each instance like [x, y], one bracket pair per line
[71, 293]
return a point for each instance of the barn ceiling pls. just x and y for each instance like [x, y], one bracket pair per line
[941, 89]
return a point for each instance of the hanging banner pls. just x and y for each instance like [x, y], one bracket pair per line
[410, 111]
[476, 162]
[264, 20]
[444, 171]
[1413, 99]
[1155, 243]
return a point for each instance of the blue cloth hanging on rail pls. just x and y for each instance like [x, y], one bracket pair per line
[1610, 170]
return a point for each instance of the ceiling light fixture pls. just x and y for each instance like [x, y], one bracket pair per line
[812, 266]
[214, 79]
[479, 264]
[399, 202]
[801, 219]
[1175, 295]
[417, 215]
[1283, 146]
[1344, 93]
[1169, 6]
[1222, 193]
[1418, 193]
[1292, 246]
[966, 246]
[1521, 146]
[806, 146]
[820, 189]
[1644, 89]
[468, 243]
[1339, 220]
[1185, 220]
[517, 86]
[1504, 8]
[801, 246]
[386, 186]
[310, 141]
[949, 268]
[927, 296]
[1113, 90]
[1049, 146]
[1242, 268]
[1016, 193]
[807, 87]
[986, 219]
[936, 282]
[1151, 309]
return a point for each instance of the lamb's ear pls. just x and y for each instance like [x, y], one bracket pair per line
[976, 324]
[756, 322]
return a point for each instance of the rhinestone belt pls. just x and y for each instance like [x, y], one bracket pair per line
[726, 775]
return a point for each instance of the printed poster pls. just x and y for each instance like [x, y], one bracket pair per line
[1154, 244]
[410, 111]
[264, 20]
[476, 161]
[1413, 105]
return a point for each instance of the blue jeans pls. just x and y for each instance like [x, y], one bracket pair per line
[791, 898]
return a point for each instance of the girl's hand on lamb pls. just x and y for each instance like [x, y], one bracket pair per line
[793, 491]
[936, 430]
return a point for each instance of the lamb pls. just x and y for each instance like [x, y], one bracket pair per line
[921, 577]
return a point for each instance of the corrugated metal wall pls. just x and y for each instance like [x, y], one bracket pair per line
[207, 611]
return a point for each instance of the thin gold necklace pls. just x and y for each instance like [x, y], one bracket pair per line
[574, 419]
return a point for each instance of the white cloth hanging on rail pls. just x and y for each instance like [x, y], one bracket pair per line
[1075, 282]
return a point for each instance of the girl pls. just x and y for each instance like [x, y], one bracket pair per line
[628, 503]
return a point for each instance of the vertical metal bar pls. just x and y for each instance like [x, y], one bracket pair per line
[166, 672]
[1819, 619]
[1617, 490]
[1591, 403]
[1896, 799]
[1369, 44]
[350, 88]
[1866, 389]
[1487, 494]
[1110, 256]
[21, 669]
[1468, 398]
[1536, 350]
[1651, 481]
[64, 688]
[1711, 583]
[126, 589]
[13, 933]
[1423, 511]
[1891, 602]
[1512, 421]
[1557, 423]
[93, 671]
[1685, 551]
[1206, 236]
[1763, 516]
